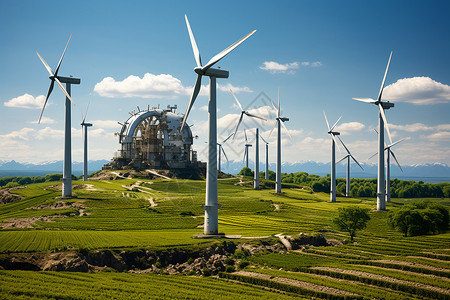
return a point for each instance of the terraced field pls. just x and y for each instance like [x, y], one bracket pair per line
[163, 214]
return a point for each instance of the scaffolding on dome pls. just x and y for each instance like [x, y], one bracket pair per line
[152, 139]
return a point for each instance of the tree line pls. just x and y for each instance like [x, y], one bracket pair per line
[360, 187]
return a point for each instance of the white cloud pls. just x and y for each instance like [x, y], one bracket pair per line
[416, 127]
[274, 67]
[350, 127]
[417, 90]
[49, 133]
[26, 101]
[439, 136]
[149, 86]
[44, 120]
[154, 86]
[236, 89]
[106, 124]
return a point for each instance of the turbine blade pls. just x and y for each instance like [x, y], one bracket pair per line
[227, 138]
[50, 89]
[62, 56]
[222, 54]
[335, 142]
[395, 143]
[290, 136]
[223, 151]
[345, 147]
[197, 87]
[64, 90]
[335, 123]
[273, 127]
[354, 159]
[278, 110]
[273, 104]
[245, 134]
[193, 43]
[50, 71]
[326, 119]
[237, 127]
[240, 106]
[367, 100]
[385, 121]
[395, 158]
[84, 118]
[342, 159]
[373, 155]
[384, 78]
[263, 139]
[245, 154]
[254, 116]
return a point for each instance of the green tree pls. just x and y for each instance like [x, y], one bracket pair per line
[246, 172]
[351, 219]
[420, 218]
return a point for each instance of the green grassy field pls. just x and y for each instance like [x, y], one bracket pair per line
[381, 264]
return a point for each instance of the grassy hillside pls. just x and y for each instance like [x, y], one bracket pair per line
[157, 214]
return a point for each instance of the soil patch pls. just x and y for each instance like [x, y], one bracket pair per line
[7, 197]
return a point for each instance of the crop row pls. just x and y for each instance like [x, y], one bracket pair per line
[369, 291]
[285, 287]
[64, 285]
[412, 289]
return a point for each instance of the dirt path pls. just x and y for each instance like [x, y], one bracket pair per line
[27, 222]
[285, 241]
[118, 175]
[152, 203]
[410, 264]
[157, 174]
[384, 278]
[298, 283]
[7, 197]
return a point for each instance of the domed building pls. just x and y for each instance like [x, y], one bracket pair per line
[152, 139]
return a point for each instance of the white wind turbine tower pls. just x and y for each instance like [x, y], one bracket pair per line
[84, 127]
[381, 202]
[223, 151]
[278, 122]
[247, 145]
[67, 165]
[348, 156]
[211, 204]
[266, 175]
[388, 166]
[333, 157]
[256, 173]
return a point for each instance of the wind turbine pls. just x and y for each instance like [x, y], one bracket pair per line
[256, 180]
[67, 165]
[247, 145]
[388, 166]
[381, 203]
[84, 127]
[267, 159]
[278, 122]
[223, 151]
[348, 156]
[333, 157]
[211, 204]
[243, 112]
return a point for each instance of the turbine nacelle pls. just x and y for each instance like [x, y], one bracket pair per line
[334, 132]
[283, 119]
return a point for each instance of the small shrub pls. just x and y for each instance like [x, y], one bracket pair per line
[243, 264]
[229, 261]
[206, 272]
[229, 269]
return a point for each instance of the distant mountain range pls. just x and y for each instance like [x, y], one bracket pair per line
[439, 171]
[413, 172]
[13, 168]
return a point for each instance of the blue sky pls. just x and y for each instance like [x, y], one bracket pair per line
[319, 53]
